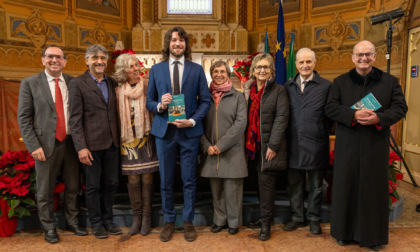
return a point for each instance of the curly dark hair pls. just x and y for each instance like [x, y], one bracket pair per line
[182, 34]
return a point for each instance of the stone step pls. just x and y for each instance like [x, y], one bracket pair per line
[203, 211]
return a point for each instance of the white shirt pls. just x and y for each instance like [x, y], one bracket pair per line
[302, 85]
[180, 69]
[64, 94]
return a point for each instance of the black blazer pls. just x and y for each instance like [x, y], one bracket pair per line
[93, 122]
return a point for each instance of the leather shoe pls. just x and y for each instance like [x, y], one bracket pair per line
[342, 243]
[265, 233]
[233, 231]
[190, 233]
[375, 248]
[167, 231]
[99, 232]
[314, 227]
[293, 225]
[77, 230]
[216, 229]
[51, 236]
[112, 229]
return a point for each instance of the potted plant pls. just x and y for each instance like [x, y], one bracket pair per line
[394, 174]
[17, 185]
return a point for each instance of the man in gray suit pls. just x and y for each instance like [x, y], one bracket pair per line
[43, 115]
[94, 124]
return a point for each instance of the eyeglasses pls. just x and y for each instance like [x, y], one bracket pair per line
[52, 56]
[259, 68]
[360, 55]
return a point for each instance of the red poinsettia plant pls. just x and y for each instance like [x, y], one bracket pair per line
[17, 182]
[394, 174]
[115, 54]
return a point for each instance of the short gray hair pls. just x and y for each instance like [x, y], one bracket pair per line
[259, 57]
[218, 64]
[305, 49]
[122, 65]
[94, 50]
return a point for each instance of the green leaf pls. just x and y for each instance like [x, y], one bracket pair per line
[27, 213]
[28, 201]
[11, 213]
[14, 203]
[20, 211]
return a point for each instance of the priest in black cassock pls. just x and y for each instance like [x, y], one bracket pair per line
[359, 211]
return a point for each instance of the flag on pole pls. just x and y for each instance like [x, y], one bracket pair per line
[266, 47]
[280, 53]
[291, 66]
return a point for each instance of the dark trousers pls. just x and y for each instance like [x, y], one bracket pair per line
[101, 185]
[64, 158]
[267, 188]
[173, 143]
[296, 189]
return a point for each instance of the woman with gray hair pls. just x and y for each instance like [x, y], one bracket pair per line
[223, 146]
[138, 152]
[265, 146]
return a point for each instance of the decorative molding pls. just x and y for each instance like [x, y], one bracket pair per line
[46, 6]
[34, 29]
[337, 32]
[97, 35]
[414, 41]
[96, 14]
[223, 9]
[155, 11]
[356, 5]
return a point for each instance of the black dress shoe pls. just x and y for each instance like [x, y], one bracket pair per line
[99, 232]
[293, 225]
[216, 229]
[77, 230]
[112, 229]
[342, 243]
[375, 248]
[314, 227]
[233, 231]
[51, 236]
[265, 233]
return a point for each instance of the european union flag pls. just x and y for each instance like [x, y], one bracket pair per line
[280, 53]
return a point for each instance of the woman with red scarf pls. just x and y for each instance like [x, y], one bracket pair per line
[224, 151]
[265, 146]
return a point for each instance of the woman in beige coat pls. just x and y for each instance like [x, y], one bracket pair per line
[224, 150]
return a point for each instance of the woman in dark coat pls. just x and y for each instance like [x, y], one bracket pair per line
[224, 151]
[268, 115]
[360, 197]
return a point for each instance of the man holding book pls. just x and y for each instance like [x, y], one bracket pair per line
[359, 211]
[177, 75]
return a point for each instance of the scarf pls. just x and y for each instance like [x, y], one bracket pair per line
[219, 90]
[142, 121]
[253, 134]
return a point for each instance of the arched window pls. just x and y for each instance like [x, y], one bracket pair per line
[189, 6]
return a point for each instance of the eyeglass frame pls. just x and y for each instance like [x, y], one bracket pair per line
[368, 55]
[52, 56]
[259, 68]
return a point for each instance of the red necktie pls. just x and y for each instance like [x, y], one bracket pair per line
[60, 132]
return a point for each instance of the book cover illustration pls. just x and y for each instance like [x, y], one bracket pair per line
[176, 109]
[367, 102]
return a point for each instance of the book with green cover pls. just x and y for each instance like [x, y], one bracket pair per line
[176, 109]
[368, 102]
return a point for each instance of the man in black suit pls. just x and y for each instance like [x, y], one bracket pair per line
[94, 124]
[43, 115]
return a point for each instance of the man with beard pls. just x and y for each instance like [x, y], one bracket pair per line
[360, 211]
[43, 117]
[177, 75]
[94, 125]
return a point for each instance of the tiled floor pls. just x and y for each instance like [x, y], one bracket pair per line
[404, 236]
